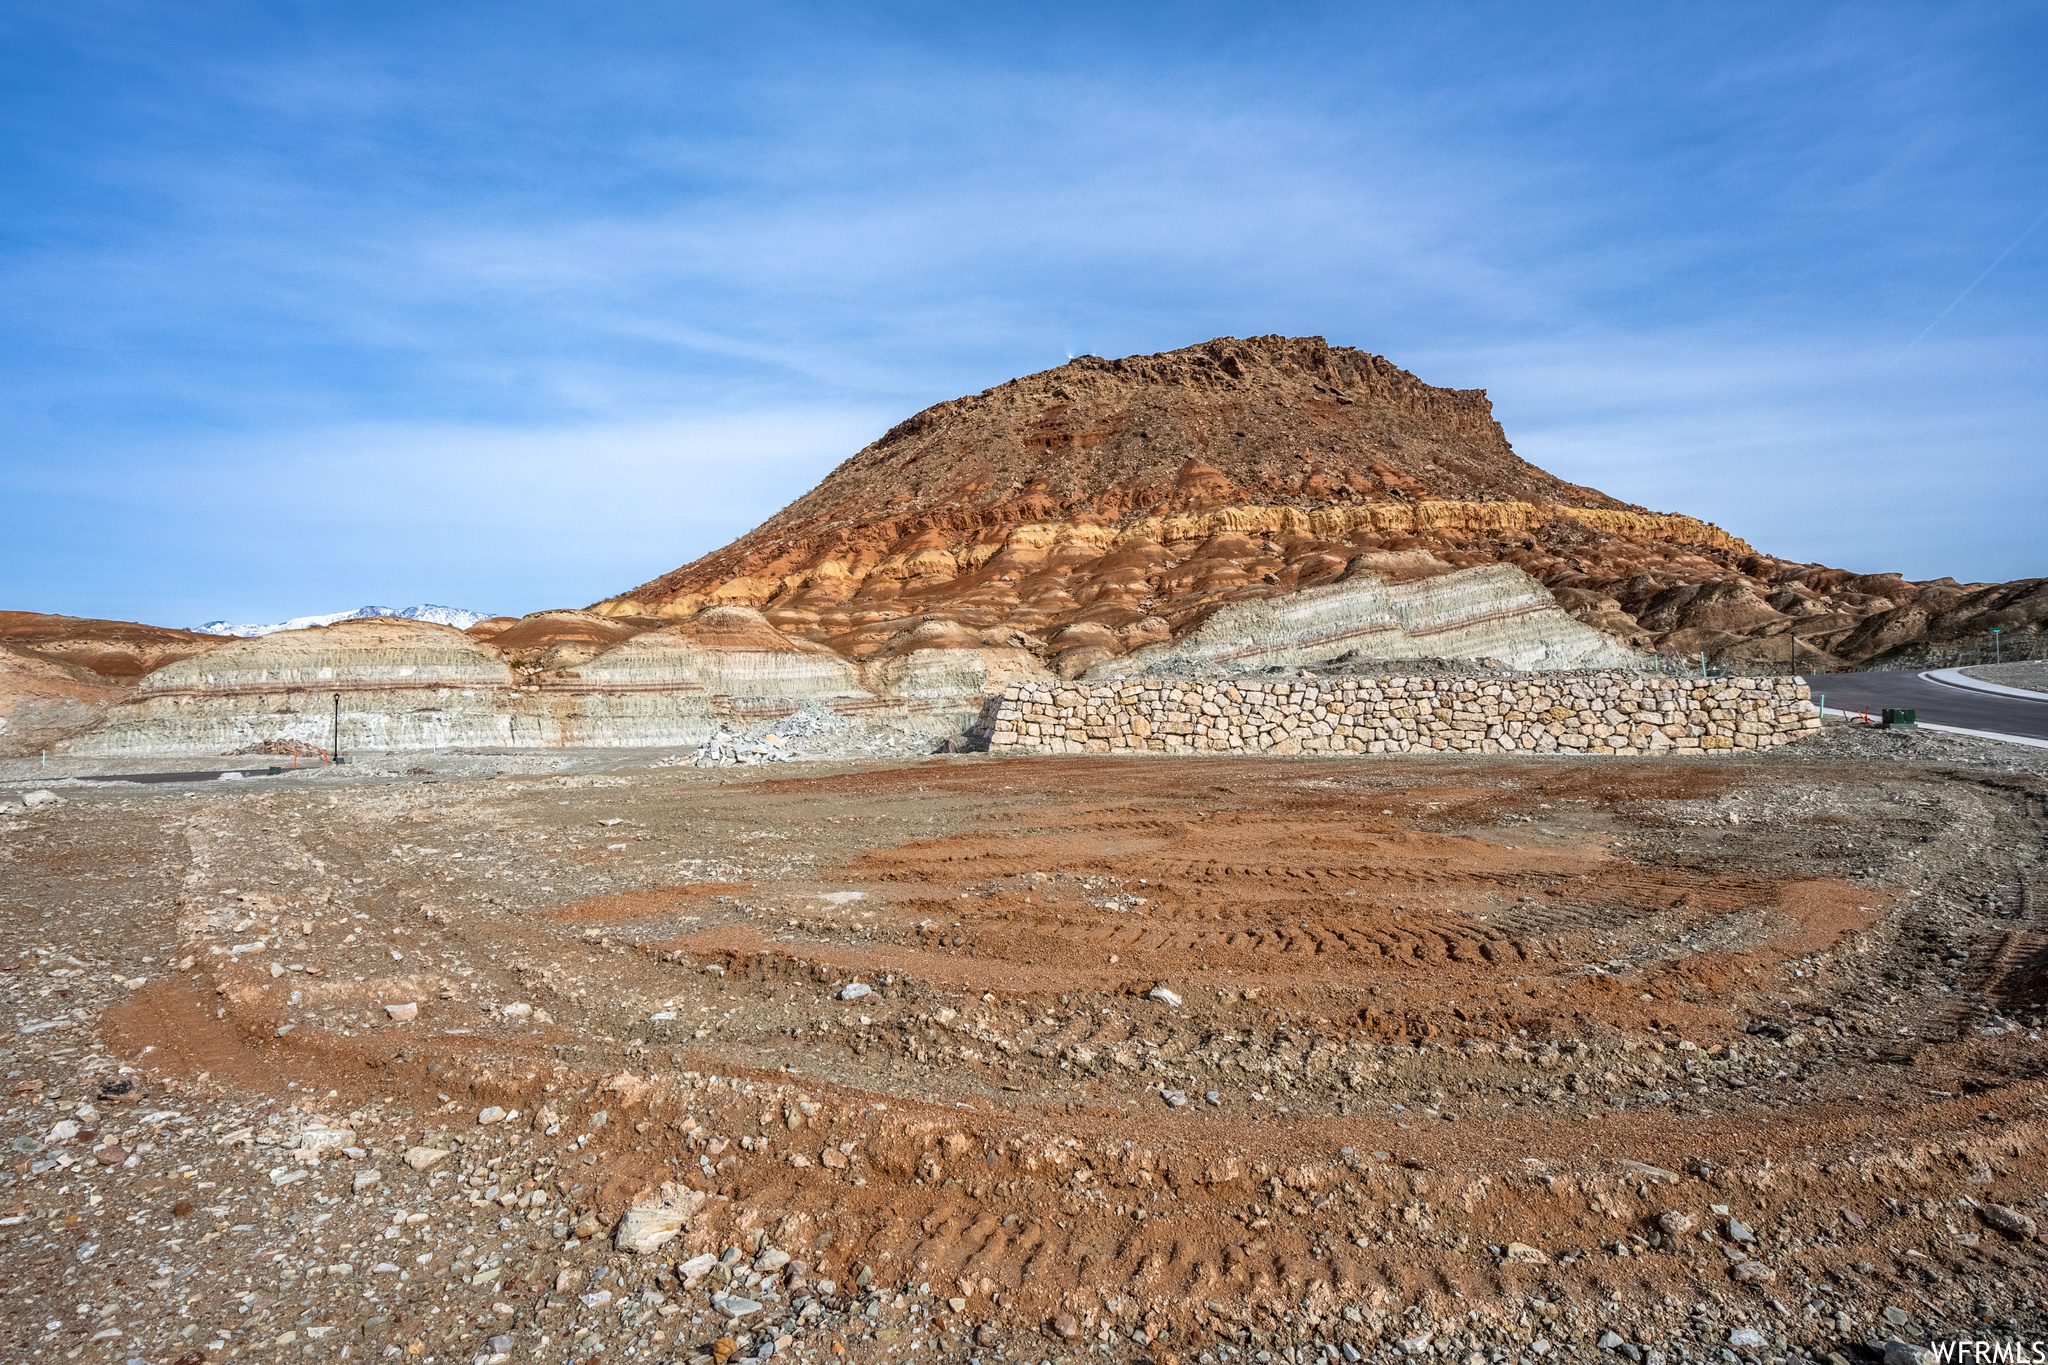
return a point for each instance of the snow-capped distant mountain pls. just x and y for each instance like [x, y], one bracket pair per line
[444, 616]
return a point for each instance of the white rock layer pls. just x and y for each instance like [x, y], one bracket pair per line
[1493, 611]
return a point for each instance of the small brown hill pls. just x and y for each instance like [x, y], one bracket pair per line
[58, 674]
[1106, 504]
[121, 650]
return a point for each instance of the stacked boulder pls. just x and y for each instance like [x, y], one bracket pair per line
[1588, 713]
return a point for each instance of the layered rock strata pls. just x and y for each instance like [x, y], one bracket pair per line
[414, 685]
[121, 651]
[43, 700]
[1109, 505]
[60, 674]
[1584, 713]
[1494, 612]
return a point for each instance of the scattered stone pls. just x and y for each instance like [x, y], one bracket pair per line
[1905, 1353]
[1896, 1316]
[403, 1013]
[1655, 1175]
[1674, 1223]
[1521, 1253]
[1752, 1272]
[1739, 1231]
[734, 1306]
[518, 1010]
[110, 1155]
[365, 1180]
[986, 1337]
[1748, 1339]
[423, 1158]
[1175, 1099]
[1608, 1341]
[1164, 996]
[856, 990]
[491, 1115]
[770, 1261]
[647, 1230]
[2008, 1220]
[1066, 1327]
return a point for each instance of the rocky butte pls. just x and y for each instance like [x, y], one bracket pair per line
[1110, 506]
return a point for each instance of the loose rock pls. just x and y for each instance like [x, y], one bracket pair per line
[1675, 1223]
[2009, 1221]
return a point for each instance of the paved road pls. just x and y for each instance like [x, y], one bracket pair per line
[1937, 703]
[210, 775]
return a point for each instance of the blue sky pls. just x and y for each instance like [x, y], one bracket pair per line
[513, 305]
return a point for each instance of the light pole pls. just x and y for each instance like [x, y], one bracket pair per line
[336, 749]
[1997, 656]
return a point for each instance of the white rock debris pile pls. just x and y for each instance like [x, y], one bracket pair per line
[814, 732]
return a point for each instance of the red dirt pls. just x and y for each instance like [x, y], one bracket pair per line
[1388, 972]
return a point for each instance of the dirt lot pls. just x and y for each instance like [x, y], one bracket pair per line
[1193, 1061]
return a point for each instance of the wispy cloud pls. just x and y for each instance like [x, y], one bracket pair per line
[500, 518]
[424, 265]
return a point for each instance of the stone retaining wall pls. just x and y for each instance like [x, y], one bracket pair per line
[1588, 713]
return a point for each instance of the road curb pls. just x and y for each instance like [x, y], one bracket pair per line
[1946, 729]
[1955, 677]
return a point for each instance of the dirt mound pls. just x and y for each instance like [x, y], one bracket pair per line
[59, 674]
[122, 650]
[557, 639]
[1108, 505]
[43, 701]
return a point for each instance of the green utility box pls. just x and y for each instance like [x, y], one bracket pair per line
[1900, 718]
